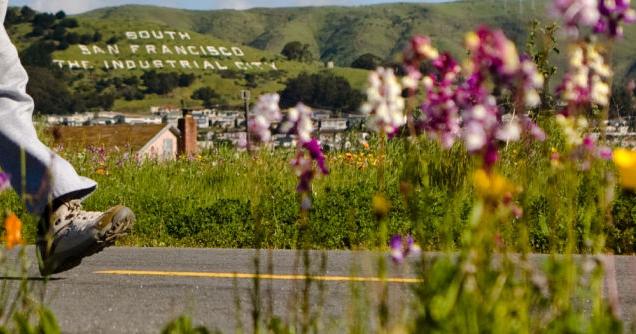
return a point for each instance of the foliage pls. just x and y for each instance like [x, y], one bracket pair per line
[51, 95]
[297, 51]
[206, 94]
[321, 90]
[367, 61]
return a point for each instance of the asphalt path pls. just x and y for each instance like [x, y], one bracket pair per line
[139, 290]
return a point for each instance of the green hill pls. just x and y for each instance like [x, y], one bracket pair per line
[342, 34]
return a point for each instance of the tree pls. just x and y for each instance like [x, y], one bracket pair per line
[297, 51]
[27, 14]
[69, 23]
[43, 20]
[12, 16]
[160, 83]
[321, 90]
[60, 15]
[367, 61]
[185, 80]
[97, 37]
[206, 94]
[38, 54]
[51, 95]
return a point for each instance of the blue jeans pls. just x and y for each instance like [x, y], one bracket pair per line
[38, 174]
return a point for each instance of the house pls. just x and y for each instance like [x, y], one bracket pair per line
[139, 119]
[333, 124]
[148, 141]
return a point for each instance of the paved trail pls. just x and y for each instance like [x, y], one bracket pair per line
[139, 290]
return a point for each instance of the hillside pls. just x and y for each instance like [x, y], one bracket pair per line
[225, 66]
[342, 34]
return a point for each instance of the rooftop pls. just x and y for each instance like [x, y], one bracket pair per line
[132, 137]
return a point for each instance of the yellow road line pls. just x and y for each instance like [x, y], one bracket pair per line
[253, 276]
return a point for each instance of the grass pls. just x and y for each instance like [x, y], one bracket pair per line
[220, 198]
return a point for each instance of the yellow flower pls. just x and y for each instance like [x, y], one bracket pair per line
[381, 206]
[492, 185]
[625, 160]
[13, 231]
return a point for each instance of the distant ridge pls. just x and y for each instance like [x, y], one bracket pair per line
[343, 33]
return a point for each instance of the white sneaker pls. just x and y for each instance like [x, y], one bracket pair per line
[71, 234]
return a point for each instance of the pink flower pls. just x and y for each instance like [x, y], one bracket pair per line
[576, 14]
[5, 181]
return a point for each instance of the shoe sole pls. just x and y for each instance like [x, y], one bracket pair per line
[121, 222]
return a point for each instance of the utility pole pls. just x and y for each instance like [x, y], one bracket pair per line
[245, 95]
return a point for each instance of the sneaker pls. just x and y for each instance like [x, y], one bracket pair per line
[71, 234]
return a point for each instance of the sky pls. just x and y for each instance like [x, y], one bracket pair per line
[79, 6]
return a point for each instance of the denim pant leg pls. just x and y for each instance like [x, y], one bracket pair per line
[37, 174]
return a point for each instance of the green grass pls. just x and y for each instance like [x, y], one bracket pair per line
[222, 198]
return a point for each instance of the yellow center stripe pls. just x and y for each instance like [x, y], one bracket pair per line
[259, 276]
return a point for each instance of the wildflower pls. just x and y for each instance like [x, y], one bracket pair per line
[419, 50]
[380, 206]
[491, 185]
[313, 147]
[441, 111]
[586, 81]
[299, 123]
[532, 80]
[13, 231]
[576, 14]
[613, 14]
[266, 112]
[625, 160]
[5, 181]
[101, 171]
[401, 248]
[492, 51]
[385, 103]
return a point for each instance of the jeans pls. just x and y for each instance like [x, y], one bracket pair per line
[38, 174]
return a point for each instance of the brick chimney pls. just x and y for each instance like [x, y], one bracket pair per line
[188, 128]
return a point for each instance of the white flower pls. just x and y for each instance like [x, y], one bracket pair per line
[474, 137]
[299, 119]
[509, 132]
[385, 104]
[266, 112]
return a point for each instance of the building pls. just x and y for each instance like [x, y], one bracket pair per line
[139, 119]
[147, 141]
[333, 124]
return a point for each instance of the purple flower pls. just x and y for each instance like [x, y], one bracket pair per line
[315, 151]
[605, 153]
[5, 181]
[613, 14]
[402, 247]
[441, 112]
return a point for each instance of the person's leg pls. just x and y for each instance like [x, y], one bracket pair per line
[49, 184]
[21, 152]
